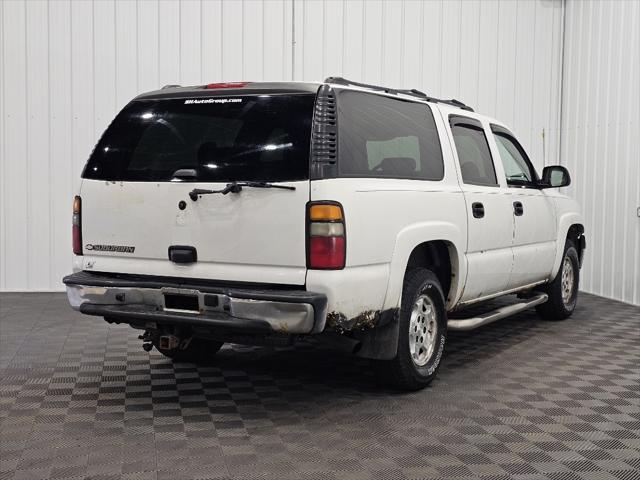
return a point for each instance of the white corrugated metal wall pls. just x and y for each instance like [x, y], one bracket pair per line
[67, 67]
[600, 133]
[501, 57]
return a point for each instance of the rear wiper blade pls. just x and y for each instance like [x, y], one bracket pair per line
[236, 187]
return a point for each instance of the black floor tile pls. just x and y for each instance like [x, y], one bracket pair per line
[521, 398]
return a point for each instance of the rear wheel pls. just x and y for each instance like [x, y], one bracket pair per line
[422, 333]
[563, 290]
[195, 350]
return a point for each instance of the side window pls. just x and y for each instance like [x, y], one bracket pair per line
[517, 167]
[476, 163]
[386, 137]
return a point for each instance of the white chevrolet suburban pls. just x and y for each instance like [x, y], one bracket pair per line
[259, 213]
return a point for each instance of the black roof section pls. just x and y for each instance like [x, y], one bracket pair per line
[394, 91]
[230, 89]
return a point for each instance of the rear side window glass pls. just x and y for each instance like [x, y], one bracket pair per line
[474, 155]
[389, 138]
[253, 138]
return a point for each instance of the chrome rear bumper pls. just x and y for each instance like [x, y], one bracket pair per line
[154, 300]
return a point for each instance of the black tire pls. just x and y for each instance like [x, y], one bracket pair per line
[403, 371]
[556, 308]
[198, 351]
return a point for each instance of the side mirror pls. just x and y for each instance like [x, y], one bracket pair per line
[555, 176]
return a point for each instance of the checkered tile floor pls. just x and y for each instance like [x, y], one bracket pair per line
[521, 399]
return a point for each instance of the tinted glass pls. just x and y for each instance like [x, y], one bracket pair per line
[516, 167]
[385, 137]
[262, 138]
[474, 155]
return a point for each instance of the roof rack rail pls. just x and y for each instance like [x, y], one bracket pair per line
[412, 92]
[170, 86]
[344, 81]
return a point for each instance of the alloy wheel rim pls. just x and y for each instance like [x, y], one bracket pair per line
[423, 330]
[568, 281]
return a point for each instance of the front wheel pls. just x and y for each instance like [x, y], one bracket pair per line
[563, 290]
[422, 333]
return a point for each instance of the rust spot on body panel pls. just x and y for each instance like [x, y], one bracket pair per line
[364, 320]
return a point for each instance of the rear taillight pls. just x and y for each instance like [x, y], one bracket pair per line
[76, 228]
[327, 243]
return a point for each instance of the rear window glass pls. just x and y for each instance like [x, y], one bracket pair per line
[253, 138]
[385, 137]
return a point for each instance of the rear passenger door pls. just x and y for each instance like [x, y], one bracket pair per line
[489, 211]
[535, 232]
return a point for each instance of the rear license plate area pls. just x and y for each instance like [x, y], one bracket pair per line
[181, 302]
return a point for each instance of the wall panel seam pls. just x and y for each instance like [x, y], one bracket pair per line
[49, 122]
[26, 150]
[3, 246]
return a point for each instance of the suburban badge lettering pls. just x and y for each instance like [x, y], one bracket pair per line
[109, 248]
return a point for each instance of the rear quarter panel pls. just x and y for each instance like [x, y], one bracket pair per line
[385, 220]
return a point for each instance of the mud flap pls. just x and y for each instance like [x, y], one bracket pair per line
[380, 343]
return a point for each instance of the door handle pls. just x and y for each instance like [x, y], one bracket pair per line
[518, 209]
[183, 254]
[478, 209]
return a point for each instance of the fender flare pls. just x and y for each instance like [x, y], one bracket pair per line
[565, 221]
[381, 343]
[408, 239]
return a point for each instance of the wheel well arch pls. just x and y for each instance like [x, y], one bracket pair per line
[575, 235]
[440, 257]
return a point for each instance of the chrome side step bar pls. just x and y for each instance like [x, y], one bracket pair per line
[465, 324]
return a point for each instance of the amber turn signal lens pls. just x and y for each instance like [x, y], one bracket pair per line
[325, 212]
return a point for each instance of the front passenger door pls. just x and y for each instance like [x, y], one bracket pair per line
[535, 233]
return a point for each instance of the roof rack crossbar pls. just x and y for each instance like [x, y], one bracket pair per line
[412, 92]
